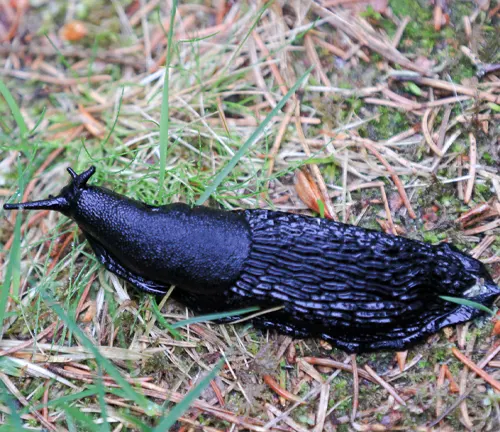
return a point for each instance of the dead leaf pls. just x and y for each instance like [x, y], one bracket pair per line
[308, 192]
[401, 357]
[74, 31]
[90, 313]
[496, 327]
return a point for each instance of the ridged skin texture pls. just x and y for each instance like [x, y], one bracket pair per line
[362, 290]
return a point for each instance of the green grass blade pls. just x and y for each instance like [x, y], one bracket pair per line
[321, 207]
[470, 303]
[182, 406]
[64, 400]
[14, 419]
[16, 112]
[13, 272]
[163, 322]
[82, 418]
[38, 122]
[139, 399]
[101, 397]
[165, 111]
[214, 316]
[244, 148]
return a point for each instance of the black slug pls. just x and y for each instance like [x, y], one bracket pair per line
[362, 290]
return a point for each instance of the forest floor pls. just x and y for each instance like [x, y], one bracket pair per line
[382, 114]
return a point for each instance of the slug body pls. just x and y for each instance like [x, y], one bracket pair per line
[362, 290]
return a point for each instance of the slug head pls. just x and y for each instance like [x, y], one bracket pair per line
[62, 202]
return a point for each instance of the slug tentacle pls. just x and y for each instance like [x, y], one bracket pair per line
[360, 289]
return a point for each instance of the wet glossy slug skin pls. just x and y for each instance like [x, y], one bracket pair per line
[361, 290]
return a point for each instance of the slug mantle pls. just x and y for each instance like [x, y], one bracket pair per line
[362, 290]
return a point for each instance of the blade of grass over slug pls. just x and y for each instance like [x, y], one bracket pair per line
[139, 399]
[182, 406]
[214, 316]
[470, 303]
[165, 112]
[244, 148]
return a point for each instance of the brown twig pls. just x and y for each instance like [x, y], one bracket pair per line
[15, 391]
[29, 342]
[355, 387]
[314, 168]
[66, 242]
[427, 134]
[472, 168]
[453, 88]
[284, 393]
[395, 179]
[478, 370]
[354, 31]
[384, 384]
[65, 82]
[337, 365]
[279, 138]
[388, 211]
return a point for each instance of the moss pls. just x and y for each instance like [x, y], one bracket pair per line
[431, 237]
[126, 322]
[157, 363]
[390, 122]
[416, 9]
[340, 385]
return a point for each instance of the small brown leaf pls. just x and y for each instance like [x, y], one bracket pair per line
[74, 31]
[308, 192]
[438, 17]
[485, 126]
[496, 326]
[395, 202]
[387, 229]
[448, 332]
[401, 357]
[90, 313]
[325, 345]
[273, 385]
[291, 354]
[20, 4]
[453, 384]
